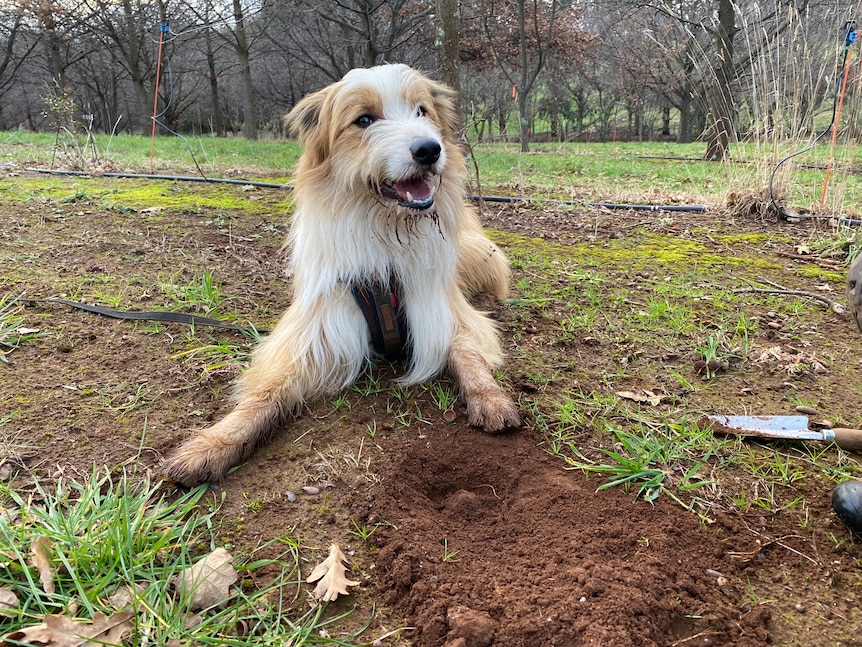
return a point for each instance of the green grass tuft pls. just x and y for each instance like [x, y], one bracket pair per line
[114, 538]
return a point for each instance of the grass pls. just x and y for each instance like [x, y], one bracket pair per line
[449, 555]
[694, 314]
[588, 172]
[201, 294]
[116, 542]
[12, 329]
[618, 172]
[652, 304]
[654, 459]
[212, 154]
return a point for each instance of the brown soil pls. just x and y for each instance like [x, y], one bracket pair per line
[478, 540]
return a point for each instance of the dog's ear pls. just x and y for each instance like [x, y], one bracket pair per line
[304, 121]
[444, 103]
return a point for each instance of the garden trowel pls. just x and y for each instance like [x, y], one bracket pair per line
[786, 427]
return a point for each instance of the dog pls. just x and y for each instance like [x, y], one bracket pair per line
[385, 255]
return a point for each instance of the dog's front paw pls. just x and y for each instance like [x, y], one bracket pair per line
[493, 411]
[198, 460]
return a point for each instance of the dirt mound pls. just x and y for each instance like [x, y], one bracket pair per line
[534, 557]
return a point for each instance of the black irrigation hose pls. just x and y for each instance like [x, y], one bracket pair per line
[272, 185]
[843, 221]
[606, 205]
[178, 178]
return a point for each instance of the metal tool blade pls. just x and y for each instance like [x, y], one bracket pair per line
[791, 427]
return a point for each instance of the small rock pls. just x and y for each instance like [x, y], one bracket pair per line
[291, 496]
[310, 489]
[799, 607]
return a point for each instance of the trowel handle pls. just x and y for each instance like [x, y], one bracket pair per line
[849, 439]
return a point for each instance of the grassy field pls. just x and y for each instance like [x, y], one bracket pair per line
[652, 173]
[622, 331]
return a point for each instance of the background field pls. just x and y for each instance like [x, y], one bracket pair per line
[613, 516]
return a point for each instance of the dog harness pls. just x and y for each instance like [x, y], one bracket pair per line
[379, 302]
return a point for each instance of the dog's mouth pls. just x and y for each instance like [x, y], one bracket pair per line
[412, 193]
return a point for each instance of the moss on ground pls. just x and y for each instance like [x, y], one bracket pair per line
[135, 195]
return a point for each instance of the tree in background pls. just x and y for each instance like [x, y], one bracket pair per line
[519, 37]
[12, 33]
[333, 37]
[447, 46]
[597, 69]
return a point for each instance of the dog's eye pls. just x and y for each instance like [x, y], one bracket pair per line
[363, 121]
[421, 112]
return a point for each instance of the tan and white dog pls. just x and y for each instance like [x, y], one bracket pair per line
[380, 201]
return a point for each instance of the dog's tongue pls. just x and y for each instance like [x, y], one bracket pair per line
[417, 188]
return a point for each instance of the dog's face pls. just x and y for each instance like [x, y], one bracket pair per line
[386, 131]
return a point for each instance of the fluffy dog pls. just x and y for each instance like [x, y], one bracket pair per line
[384, 255]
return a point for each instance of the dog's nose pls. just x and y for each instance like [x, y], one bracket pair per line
[425, 151]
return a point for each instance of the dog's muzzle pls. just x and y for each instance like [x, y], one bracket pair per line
[416, 192]
[413, 193]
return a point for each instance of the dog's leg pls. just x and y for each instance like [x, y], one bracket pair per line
[475, 351]
[482, 267]
[310, 352]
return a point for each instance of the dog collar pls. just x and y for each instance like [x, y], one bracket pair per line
[379, 302]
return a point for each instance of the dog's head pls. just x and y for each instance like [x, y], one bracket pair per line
[386, 130]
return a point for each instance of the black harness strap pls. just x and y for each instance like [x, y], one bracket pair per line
[379, 303]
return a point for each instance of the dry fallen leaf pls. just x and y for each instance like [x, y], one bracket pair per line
[643, 396]
[41, 549]
[209, 580]
[60, 631]
[8, 599]
[331, 573]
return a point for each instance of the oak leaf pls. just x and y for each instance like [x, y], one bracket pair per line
[331, 573]
[41, 559]
[60, 631]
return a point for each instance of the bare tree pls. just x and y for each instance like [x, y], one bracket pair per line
[11, 29]
[127, 29]
[334, 37]
[240, 43]
[519, 37]
[447, 46]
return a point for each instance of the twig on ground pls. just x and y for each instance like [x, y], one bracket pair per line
[836, 307]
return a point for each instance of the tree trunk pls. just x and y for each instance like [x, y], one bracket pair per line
[720, 95]
[523, 123]
[52, 45]
[214, 93]
[249, 125]
[447, 48]
[140, 118]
